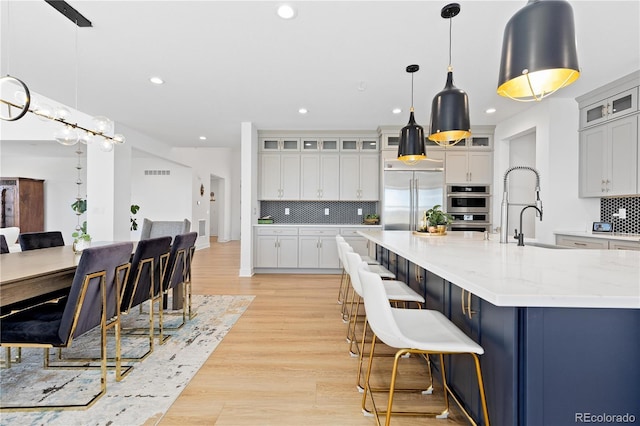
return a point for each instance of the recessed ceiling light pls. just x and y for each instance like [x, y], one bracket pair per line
[490, 110]
[303, 111]
[286, 11]
[396, 111]
[203, 138]
[156, 80]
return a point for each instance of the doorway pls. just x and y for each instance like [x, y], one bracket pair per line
[215, 206]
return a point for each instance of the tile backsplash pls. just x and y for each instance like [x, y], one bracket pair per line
[340, 212]
[609, 206]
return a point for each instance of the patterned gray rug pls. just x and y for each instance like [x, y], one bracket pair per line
[146, 393]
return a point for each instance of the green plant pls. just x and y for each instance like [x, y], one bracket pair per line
[79, 207]
[81, 233]
[134, 221]
[372, 216]
[435, 216]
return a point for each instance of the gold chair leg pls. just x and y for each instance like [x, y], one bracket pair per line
[483, 397]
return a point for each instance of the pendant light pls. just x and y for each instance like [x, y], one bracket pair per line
[450, 121]
[411, 148]
[539, 54]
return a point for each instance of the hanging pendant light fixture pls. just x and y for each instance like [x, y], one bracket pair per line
[450, 121]
[539, 54]
[411, 148]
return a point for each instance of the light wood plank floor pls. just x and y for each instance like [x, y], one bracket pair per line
[286, 361]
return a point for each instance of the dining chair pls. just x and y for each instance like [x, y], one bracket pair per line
[413, 331]
[144, 284]
[92, 302]
[176, 274]
[4, 247]
[40, 240]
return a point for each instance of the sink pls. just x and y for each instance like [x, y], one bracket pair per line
[543, 245]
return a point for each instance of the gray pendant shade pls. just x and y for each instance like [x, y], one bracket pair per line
[539, 54]
[411, 147]
[450, 121]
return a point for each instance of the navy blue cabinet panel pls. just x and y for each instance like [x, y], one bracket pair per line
[580, 361]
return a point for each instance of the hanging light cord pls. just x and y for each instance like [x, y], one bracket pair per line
[411, 92]
[450, 68]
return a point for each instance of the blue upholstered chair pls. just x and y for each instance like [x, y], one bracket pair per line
[177, 273]
[40, 240]
[145, 281]
[4, 247]
[92, 302]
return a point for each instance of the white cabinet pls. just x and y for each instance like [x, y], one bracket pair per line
[276, 248]
[279, 176]
[359, 177]
[359, 243]
[320, 144]
[609, 158]
[318, 248]
[359, 144]
[582, 242]
[610, 108]
[279, 144]
[468, 167]
[319, 178]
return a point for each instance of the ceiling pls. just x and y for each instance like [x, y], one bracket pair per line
[225, 62]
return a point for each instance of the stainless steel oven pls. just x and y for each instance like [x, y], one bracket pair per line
[468, 199]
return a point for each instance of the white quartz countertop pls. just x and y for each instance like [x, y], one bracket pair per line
[508, 275]
[601, 235]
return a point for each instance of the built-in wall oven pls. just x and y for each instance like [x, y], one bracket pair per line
[470, 206]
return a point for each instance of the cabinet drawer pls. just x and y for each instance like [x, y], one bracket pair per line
[353, 232]
[624, 245]
[277, 231]
[321, 232]
[580, 242]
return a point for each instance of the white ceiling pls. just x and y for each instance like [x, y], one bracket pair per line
[225, 62]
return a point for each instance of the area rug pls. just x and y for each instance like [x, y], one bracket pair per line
[149, 389]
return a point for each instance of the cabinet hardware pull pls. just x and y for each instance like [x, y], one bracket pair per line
[580, 244]
[469, 305]
[464, 310]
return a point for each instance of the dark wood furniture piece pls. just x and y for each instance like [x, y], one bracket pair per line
[22, 203]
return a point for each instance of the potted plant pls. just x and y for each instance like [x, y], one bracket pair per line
[437, 220]
[372, 219]
[81, 239]
[134, 220]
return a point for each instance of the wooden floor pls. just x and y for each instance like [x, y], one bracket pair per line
[286, 361]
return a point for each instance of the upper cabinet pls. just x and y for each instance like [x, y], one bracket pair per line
[279, 144]
[280, 177]
[359, 144]
[610, 108]
[359, 177]
[319, 177]
[480, 141]
[609, 156]
[320, 145]
[468, 167]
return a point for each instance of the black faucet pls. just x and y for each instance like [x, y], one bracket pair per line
[520, 236]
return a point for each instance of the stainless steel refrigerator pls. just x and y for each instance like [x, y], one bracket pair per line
[409, 191]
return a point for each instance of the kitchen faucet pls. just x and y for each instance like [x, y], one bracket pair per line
[520, 236]
[504, 216]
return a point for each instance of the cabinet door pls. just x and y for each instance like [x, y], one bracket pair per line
[328, 253]
[290, 176]
[369, 145]
[349, 145]
[592, 162]
[360, 245]
[349, 177]
[310, 144]
[623, 156]
[288, 252]
[270, 144]
[390, 142]
[270, 177]
[330, 145]
[369, 178]
[624, 245]
[310, 177]
[582, 242]
[308, 248]
[290, 144]
[456, 170]
[480, 167]
[266, 252]
[329, 177]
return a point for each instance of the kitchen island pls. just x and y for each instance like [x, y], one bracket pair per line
[560, 328]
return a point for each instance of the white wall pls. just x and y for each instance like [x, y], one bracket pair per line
[60, 189]
[555, 122]
[225, 164]
[249, 211]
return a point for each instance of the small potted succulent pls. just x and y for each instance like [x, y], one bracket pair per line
[437, 220]
[81, 240]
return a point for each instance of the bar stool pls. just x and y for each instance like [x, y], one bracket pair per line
[413, 331]
[344, 286]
